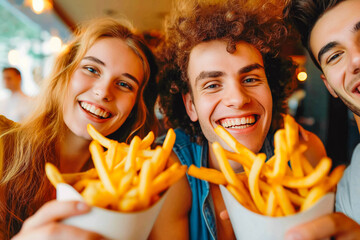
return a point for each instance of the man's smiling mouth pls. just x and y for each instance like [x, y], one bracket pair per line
[238, 123]
[95, 111]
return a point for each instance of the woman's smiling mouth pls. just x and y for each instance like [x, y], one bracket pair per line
[95, 111]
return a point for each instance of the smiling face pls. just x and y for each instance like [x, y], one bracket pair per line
[103, 89]
[229, 89]
[335, 42]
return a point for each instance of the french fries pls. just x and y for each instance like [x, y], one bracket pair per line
[272, 188]
[126, 178]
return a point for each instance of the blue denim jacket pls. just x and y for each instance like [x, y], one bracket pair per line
[202, 223]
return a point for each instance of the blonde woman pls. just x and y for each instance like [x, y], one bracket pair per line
[105, 77]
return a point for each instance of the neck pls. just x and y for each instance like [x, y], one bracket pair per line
[74, 153]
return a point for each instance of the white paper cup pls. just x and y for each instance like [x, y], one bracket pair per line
[111, 224]
[250, 225]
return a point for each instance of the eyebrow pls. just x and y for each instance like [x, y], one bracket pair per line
[94, 59]
[214, 74]
[208, 74]
[326, 48]
[128, 75]
[356, 27]
[333, 44]
[250, 68]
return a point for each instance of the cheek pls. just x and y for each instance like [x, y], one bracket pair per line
[125, 104]
[265, 99]
[335, 79]
[205, 107]
[78, 83]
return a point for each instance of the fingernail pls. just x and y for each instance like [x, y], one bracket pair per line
[293, 236]
[81, 206]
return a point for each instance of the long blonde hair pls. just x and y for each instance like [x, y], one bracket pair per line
[28, 146]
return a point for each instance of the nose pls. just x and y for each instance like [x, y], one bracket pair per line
[236, 96]
[354, 65]
[102, 90]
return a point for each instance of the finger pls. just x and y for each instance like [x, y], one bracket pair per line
[335, 224]
[224, 215]
[303, 133]
[57, 231]
[55, 211]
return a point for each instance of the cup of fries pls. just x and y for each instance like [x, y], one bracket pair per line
[250, 225]
[126, 189]
[271, 194]
[111, 224]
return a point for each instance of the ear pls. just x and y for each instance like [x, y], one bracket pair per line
[327, 85]
[190, 107]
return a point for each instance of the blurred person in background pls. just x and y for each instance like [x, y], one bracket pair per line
[18, 105]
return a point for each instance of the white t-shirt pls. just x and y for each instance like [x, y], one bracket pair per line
[348, 189]
[16, 107]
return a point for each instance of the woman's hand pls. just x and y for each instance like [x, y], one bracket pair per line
[45, 223]
[335, 225]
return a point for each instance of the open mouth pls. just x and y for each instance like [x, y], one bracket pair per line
[357, 90]
[95, 111]
[239, 123]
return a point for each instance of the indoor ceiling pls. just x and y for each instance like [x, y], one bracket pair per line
[146, 15]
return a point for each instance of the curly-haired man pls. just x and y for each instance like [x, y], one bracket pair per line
[220, 67]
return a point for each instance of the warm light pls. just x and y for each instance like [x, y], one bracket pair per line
[55, 44]
[302, 76]
[14, 57]
[39, 6]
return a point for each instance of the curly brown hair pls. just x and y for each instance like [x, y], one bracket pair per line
[194, 21]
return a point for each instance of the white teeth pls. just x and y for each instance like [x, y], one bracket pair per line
[95, 110]
[238, 123]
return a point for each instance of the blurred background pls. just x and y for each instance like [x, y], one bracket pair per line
[32, 32]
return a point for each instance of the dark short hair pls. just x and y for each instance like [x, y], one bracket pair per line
[304, 14]
[12, 69]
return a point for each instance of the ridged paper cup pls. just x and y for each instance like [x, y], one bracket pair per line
[111, 224]
[249, 225]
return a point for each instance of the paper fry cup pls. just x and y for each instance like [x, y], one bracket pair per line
[111, 224]
[250, 225]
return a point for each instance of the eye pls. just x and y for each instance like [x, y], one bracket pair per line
[92, 70]
[250, 80]
[333, 57]
[125, 85]
[211, 86]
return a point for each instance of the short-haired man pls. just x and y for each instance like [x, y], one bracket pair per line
[330, 31]
[17, 106]
[220, 68]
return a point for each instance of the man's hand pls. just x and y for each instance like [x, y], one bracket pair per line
[335, 225]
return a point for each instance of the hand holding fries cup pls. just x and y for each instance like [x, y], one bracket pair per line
[250, 225]
[126, 188]
[275, 195]
[111, 224]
